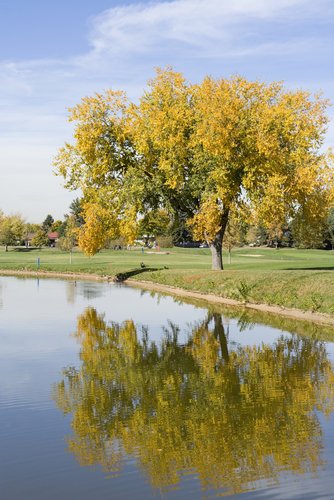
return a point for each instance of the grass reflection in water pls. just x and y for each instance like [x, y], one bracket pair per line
[231, 416]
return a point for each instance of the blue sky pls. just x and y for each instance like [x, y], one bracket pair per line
[54, 53]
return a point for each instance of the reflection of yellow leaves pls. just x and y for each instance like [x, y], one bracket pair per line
[205, 350]
[128, 341]
[233, 417]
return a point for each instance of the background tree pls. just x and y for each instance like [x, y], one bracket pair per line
[330, 227]
[57, 225]
[29, 231]
[154, 223]
[11, 230]
[236, 230]
[199, 152]
[68, 241]
[76, 211]
[31, 227]
[201, 406]
[47, 223]
[257, 234]
[40, 238]
[309, 236]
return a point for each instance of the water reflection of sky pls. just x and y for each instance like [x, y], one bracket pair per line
[37, 318]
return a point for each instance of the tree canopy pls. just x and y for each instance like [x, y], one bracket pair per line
[11, 229]
[201, 153]
[47, 223]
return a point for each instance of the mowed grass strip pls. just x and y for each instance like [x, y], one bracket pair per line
[303, 279]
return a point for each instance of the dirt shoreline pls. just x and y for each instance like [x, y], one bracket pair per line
[314, 317]
[53, 274]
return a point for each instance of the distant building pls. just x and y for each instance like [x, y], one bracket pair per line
[28, 238]
[53, 238]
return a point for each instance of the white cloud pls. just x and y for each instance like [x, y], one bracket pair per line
[197, 24]
[195, 36]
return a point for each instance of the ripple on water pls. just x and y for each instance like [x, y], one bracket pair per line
[232, 409]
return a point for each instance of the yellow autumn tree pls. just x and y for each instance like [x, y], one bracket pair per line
[102, 163]
[11, 229]
[261, 144]
[200, 152]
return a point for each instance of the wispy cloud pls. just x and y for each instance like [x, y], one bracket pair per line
[259, 38]
[166, 32]
[195, 24]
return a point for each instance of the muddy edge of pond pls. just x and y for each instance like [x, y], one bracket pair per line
[53, 274]
[324, 319]
[321, 318]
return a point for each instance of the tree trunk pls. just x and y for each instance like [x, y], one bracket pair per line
[220, 335]
[216, 246]
[6, 248]
[217, 255]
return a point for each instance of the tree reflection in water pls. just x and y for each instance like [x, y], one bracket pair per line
[231, 418]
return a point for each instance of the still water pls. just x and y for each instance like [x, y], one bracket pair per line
[110, 392]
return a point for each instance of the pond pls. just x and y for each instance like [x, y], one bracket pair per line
[107, 391]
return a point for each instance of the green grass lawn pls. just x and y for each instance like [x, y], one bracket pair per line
[287, 277]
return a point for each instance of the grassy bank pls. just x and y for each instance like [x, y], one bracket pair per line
[300, 279]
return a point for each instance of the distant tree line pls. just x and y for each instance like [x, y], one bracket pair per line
[159, 227]
[290, 234]
[15, 231]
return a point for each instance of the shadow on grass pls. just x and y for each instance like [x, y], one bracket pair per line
[120, 277]
[29, 249]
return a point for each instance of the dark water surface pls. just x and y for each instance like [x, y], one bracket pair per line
[110, 392]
